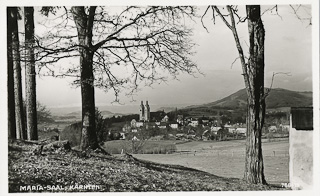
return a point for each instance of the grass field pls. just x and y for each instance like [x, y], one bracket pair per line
[226, 158]
[141, 147]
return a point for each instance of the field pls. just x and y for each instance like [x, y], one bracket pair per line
[226, 159]
[141, 147]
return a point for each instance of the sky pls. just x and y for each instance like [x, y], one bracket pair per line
[288, 49]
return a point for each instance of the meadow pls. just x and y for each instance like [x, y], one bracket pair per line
[226, 159]
[140, 147]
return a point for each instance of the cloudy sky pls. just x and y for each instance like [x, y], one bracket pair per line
[287, 49]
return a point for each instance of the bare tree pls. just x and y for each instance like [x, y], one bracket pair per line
[253, 74]
[11, 106]
[254, 169]
[144, 42]
[19, 114]
[31, 103]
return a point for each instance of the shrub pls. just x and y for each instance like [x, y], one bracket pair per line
[72, 133]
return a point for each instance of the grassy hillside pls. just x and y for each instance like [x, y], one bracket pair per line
[236, 100]
[234, 105]
[68, 171]
[277, 98]
[285, 98]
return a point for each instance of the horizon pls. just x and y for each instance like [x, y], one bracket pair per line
[134, 108]
[137, 102]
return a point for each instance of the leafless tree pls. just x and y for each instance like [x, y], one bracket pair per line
[11, 103]
[118, 48]
[253, 74]
[15, 48]
[30, 79]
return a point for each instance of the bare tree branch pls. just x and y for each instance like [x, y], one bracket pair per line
[202, 18]
[145, 41]
[222, 17]
[297, 8]
[268, 90]
[271, 10]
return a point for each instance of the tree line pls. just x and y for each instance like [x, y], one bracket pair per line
[17, 128]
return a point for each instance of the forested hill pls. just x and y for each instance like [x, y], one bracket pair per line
[277, 98]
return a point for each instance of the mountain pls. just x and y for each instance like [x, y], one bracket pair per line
[286, 98]
[104, 113]
[277, 98]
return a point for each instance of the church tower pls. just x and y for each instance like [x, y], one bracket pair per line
[147, 113]
[142, 112]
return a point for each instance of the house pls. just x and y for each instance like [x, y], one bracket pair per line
[194, 123]
[133, 123]
[162, 125]
[215, 130]
[284, 128]
[174, 125]
[126, 128]
[122, 136]
[165, 119]
[135, 138]
[187, 121]
[272, 129]
[232, 129]
[139, 124]
[204, 121]
[180, 119]
[150, 125]
[242, 130]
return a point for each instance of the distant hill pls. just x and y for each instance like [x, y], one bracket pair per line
[286, 98]
[166, 109]
[104, 113]
[277, 98]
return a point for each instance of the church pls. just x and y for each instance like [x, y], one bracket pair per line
[144, 112]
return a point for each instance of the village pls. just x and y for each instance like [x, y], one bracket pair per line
[174, 126]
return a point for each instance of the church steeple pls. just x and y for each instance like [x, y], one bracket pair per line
[147, 113]
[142, 112]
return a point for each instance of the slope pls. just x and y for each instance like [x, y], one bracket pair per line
[277, 98]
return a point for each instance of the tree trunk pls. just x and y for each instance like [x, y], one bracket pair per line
[31, 103]
[20, 125]
[84, 29]
[254, 170]
[11, 107]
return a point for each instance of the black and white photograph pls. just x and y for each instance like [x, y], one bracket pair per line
[160, 97]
